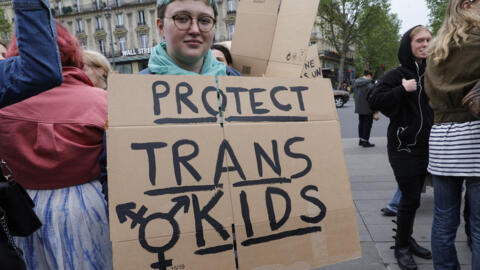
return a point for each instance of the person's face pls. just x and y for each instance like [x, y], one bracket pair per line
[419, 44]
[186, 47]
[3, 52]
[219, 56]
[97, 75]
[472, 5]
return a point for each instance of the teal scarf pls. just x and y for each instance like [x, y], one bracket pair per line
[161, 63]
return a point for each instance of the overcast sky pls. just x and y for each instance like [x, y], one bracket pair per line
[410, 13]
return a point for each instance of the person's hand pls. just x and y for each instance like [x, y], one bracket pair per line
[409, 85]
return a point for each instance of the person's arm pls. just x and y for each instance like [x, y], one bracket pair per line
[38, 66]
[388, 95]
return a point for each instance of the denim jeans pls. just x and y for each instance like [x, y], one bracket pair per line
[393, 204]
[446, 219]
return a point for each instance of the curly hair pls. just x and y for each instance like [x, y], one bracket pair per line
[457, 24]
[68, 45]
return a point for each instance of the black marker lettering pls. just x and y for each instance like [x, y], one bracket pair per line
[274, 225]
[299, 90]
[289, 153]
[282, 235]
[236, 92]
[201, 214]
[259, 153]
[214, 250]
[276, 103]
[183, 97]
[150, 148]
[315, 201]
[254, 104]
[207, 106]
[246, 214]
[219, 169]
[177, 160]
[157, 96]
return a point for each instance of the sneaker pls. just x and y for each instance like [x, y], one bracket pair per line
[387, 212]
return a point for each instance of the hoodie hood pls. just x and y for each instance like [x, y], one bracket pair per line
[405, 55]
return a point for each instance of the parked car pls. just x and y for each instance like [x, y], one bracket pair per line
[341, 97]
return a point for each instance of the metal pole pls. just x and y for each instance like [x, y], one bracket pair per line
[108, 15]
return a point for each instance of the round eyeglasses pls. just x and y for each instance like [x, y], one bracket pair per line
[183, 22]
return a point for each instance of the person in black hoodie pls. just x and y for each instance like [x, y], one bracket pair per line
[401, 97]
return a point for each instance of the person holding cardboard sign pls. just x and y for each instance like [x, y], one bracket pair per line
[401, 97]
[188, 29]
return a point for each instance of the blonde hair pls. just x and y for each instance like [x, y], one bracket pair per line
[418, 29]
[96, 60]
[454, 31]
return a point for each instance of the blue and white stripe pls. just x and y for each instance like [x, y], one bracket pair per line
[75, 233]
[454, 149]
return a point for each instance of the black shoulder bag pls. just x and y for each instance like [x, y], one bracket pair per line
[17, 218]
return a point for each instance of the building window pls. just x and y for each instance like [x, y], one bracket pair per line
[60, 7]
[119, 19]
[101, 46]
[98, 4]
[141, 17]
[83, 43]
[122, 43]
[144, 41]
[231, 29]
[231, 7]
[118, 3]
[79, 26]
[99, 23]
[79, 2]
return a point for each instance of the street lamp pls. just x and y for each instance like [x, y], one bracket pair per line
[108, 15]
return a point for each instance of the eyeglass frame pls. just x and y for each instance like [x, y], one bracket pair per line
[191, 21]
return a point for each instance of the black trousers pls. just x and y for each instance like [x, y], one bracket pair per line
[364, 126]
[410, 172]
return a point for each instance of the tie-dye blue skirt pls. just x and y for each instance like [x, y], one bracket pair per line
[75, 233]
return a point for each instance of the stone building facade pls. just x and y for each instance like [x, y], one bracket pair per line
[130, 23]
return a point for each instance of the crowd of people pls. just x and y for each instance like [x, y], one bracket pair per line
[431, 132]
[55, 143]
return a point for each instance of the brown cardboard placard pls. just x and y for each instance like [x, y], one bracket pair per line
[273, 177]
[312, 68]
[271, 37]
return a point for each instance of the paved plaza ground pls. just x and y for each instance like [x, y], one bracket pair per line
[373, 185]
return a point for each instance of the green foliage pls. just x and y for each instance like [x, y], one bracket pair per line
[437, 12]
[343, 21]
[379, 43]
[5, 27]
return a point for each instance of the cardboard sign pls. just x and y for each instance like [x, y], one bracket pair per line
[267, 190]
[312, 68]
[271, 37]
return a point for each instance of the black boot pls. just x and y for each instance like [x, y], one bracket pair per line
[404, 258]
[418, 250]
[403, 254]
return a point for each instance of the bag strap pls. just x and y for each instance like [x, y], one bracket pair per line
[5, 171]
[3, 224]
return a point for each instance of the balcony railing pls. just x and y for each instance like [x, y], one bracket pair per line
[69, 10]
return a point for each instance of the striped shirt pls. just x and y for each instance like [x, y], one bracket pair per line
[454, 149]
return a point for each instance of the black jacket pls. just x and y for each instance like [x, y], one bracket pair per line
[410, 115]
